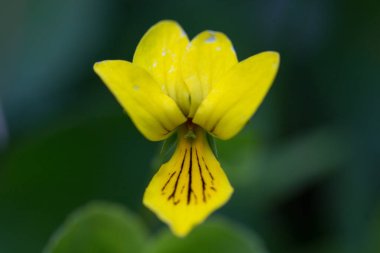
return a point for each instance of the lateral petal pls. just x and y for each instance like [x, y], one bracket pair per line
[237, 95]
[159, 52]
[154, 113]
[188, 188]
[209, 55]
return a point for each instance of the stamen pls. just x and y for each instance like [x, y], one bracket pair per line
[190, 130]
[190, 135]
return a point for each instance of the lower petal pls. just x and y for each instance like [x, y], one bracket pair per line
[190, 186]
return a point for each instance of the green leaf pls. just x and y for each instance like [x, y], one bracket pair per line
[99, 227]
[214, 236]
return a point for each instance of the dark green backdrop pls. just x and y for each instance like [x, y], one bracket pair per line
[306, 169]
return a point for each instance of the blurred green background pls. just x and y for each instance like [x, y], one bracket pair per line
[306, 169]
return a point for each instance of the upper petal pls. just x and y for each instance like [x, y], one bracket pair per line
[154, 113]
[159, 52]
[236, 97]
[209, 55]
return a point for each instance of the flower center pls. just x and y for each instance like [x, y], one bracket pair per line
[190, 130]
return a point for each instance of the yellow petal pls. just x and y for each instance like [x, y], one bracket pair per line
[154, 113]
[237, 95]
[189, 187]
[159, 52]
[209, 55]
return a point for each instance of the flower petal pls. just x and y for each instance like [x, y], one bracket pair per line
[159, 52]
[209, 55]
[189, 187]
[154, 113]
[237, 95]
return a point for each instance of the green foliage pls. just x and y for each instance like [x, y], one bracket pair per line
[99, 228]
[215, 236]
[103, 227]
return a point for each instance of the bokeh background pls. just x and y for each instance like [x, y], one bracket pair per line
[306, 169]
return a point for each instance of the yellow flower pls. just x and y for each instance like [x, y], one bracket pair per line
[192, 88]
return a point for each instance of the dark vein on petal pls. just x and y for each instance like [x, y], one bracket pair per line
[167, 182]
[203, 180]
[172, 195]
[190, 189]
[209, 172]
